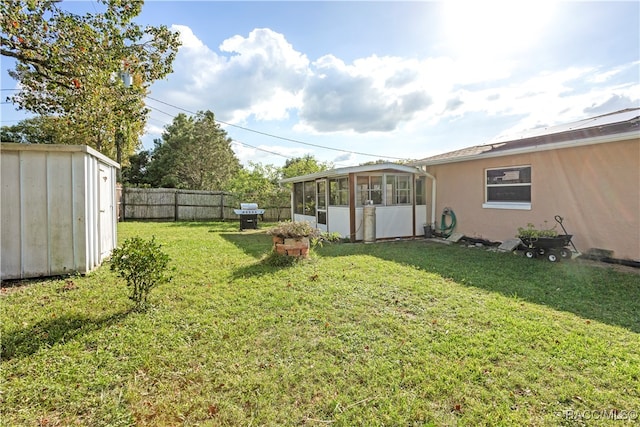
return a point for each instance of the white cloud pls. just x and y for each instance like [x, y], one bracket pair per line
[267, 154]
[262, 77]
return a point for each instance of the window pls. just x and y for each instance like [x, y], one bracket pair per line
[339, 192]
[398, 190]
[508, 188]
[369, 188]
[304, 198]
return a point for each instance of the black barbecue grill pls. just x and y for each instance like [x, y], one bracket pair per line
[248, 213]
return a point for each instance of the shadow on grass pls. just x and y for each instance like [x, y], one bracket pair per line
[213, 226]
[269, 263]
[254, 243]
[27, 341]
[595, 293]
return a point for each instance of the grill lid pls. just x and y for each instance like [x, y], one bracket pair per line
[248, 209]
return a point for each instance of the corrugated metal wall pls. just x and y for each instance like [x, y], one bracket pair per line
[50, 210]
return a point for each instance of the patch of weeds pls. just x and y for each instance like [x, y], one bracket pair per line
[274, 259]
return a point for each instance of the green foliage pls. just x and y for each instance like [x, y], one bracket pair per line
[194, 153]
[143, 265]
[135, 173]
[39, 130]
[294, 229]
[531, 232]
[69, 66]
[333, 237]
[260, 184]
[303, 166]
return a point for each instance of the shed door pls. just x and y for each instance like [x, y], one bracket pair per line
[105, 217]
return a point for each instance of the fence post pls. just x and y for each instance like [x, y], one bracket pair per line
[222, 206]
[175, 210]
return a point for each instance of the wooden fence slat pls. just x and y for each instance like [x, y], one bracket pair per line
[169, 204]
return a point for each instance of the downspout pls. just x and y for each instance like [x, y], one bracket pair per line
[433, 196]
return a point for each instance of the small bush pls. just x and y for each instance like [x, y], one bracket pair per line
[143, 265]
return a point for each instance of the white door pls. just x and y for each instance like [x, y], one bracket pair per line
[321, 205]
[105, 217]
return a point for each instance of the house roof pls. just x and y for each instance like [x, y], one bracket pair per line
[378, 167]
[610, 127]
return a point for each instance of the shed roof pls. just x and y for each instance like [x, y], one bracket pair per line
[610, 127]
[378, 167]
[10, 146]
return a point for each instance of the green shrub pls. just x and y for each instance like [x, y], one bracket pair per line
[294, 229]
[532, 232]
[143, 265]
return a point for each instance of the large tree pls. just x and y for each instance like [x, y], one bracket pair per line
[38, 130]
[260, 184]
[71, 66]
[303, 166]
[194, 153]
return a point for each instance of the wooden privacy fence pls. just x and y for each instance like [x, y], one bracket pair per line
[170, 204]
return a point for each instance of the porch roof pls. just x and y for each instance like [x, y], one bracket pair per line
[331, 173]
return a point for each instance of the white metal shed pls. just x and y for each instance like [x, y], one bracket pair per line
[57, 209]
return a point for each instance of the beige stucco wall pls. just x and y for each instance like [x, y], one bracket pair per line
[595, 188]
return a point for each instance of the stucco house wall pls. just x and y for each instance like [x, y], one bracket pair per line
[595, 188]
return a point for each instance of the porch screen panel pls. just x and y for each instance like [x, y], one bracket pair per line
[369, 188]
[339, 192]
[309, 198]
[298, 198]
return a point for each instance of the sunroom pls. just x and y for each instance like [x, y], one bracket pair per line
[336, 200]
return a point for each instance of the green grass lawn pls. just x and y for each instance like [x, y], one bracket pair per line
[397, 334]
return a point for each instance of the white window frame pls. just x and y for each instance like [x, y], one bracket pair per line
[505, 204]
[370, 189]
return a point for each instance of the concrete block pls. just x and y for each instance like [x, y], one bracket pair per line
[455, 237]
[509, 245]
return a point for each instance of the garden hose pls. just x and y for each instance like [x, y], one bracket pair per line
[445, 229]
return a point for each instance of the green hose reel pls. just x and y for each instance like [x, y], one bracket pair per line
[447, 230]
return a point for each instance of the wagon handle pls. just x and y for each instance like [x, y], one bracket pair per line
[559, 220]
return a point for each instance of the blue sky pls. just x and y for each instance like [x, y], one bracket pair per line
[390, 79]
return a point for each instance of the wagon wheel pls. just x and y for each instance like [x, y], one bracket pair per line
[542, 251]
[553, 257]
[530, 253]
[565, 253]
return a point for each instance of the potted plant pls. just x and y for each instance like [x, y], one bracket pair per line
[531, 232]
[293, 238]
